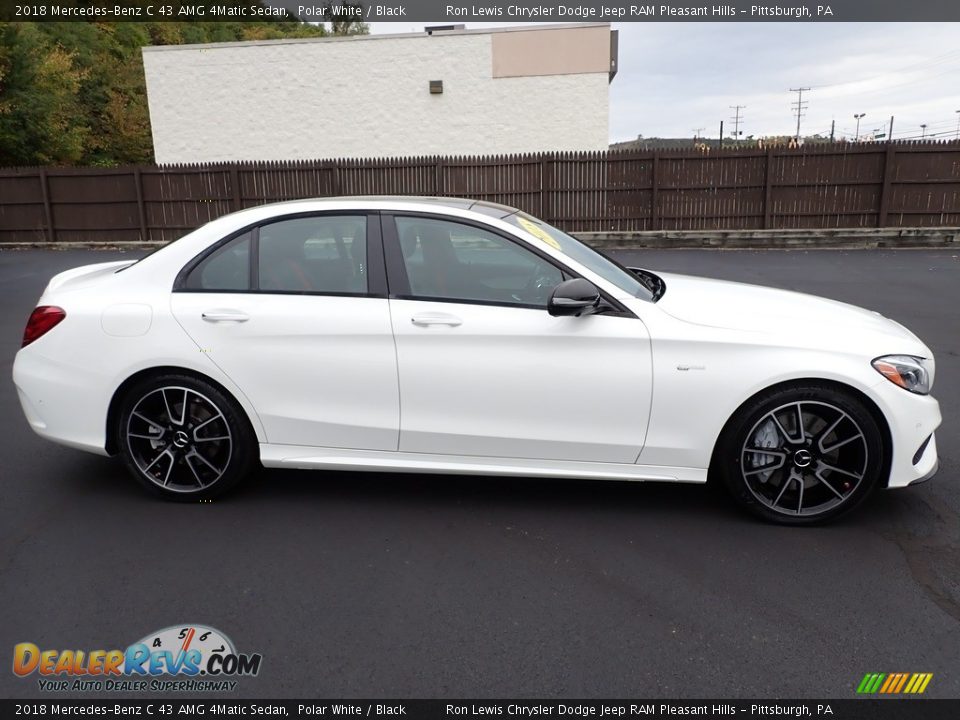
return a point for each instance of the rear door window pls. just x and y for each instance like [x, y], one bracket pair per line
[324, 254]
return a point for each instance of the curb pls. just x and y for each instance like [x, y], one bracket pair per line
[840, 239]
[54, 246]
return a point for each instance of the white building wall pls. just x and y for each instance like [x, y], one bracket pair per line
[364, 97]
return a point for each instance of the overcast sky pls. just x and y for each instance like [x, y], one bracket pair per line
[676, 77]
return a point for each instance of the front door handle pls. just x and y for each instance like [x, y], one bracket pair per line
[224, 316]
[425, 319]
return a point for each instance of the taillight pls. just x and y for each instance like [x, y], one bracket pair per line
[42, 320]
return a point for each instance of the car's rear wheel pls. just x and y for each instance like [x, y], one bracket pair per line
[184, 438]
[802, 455]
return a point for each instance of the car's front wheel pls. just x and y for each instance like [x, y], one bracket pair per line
[801, 455]
[184, 438]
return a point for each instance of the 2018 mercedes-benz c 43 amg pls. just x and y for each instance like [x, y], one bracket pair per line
[452, 336]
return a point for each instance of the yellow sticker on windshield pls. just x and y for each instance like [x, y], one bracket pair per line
[538, 232]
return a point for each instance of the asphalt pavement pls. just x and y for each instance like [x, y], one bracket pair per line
[390, 585]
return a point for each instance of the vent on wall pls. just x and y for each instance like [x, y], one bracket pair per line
[436, 87]
[431, 29]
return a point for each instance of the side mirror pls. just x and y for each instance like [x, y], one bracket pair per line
[573, 297]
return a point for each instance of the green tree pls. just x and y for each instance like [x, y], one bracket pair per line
[74, 92]
[345, 17]
[40, 97]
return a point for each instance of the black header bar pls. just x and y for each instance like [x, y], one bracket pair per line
[465, 11]
[163, 708]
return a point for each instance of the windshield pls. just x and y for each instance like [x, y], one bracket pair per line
[610, 270]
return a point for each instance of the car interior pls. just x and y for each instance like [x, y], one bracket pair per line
[314, 255]
[448, 260]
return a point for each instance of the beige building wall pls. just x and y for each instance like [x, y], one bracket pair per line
[557, 51]
[503, 92]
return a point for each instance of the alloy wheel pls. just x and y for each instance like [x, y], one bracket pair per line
[179, 439]
[804, 458]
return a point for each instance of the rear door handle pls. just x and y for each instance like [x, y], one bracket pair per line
[224, 316]
[426, 319]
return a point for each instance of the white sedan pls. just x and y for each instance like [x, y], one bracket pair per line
[453, 336]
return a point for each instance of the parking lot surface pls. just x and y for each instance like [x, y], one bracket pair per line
[390, 585]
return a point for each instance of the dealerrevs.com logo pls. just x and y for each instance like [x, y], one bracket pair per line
[185, 658]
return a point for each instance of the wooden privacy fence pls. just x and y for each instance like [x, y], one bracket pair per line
[825, 186]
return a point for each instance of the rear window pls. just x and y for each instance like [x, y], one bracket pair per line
[227, 268]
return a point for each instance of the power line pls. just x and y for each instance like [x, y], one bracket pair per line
[949, 57]
[799, 106]
[941, 128]
[932, 129]
[940, 124]
[897, 86]
[943, 133]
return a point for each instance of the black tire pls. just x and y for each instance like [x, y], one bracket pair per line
[826, 471]
[183, 438]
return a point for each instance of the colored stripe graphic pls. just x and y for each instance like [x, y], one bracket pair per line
[870, 683]
[894, 683]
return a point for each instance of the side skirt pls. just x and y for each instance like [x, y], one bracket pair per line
[300, 457]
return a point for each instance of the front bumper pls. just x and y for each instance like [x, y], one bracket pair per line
[912, 420]
[929, 457]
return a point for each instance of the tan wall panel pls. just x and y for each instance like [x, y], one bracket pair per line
[565, 51]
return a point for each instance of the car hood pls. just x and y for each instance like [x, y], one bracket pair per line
[805, 319]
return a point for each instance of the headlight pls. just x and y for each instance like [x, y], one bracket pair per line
[908, 372]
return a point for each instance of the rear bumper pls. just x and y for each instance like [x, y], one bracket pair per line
[61, 403]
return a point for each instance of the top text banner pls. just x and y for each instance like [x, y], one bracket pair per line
[443, 12]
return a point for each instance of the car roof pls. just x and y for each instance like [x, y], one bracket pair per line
[491, 209]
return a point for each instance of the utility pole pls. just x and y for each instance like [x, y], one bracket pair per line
[833, 126]
[890, 130]
[736, 120]
[721, 134]
[958, 124]
[923, 129]
[799, 106]
[696, 133]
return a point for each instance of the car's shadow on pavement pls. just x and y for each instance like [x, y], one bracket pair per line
[665, 502]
